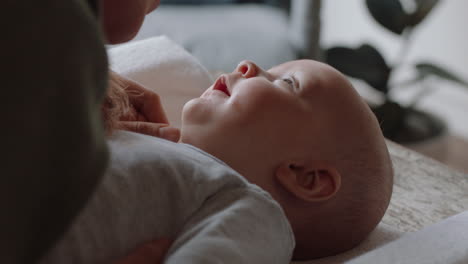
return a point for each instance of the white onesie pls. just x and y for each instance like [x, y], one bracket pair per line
[155, 188]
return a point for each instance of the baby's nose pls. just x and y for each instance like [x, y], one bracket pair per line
[248, 69]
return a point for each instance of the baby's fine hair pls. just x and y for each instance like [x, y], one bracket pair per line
[371, 178]
[367, 180]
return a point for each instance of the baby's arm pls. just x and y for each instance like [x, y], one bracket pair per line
[235, 226]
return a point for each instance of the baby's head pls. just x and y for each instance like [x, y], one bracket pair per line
[301, 132]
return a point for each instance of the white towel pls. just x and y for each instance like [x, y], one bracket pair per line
[165, 67]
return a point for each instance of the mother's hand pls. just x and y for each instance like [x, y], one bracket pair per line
[150, 253]
[146, 115]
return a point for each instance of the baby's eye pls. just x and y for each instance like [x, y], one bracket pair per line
[288, 81]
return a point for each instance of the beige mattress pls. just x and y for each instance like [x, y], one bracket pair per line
[425, 191]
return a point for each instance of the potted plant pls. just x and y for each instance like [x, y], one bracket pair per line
[401, 123]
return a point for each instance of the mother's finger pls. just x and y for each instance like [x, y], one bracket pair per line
[146, 102]
[151, 129]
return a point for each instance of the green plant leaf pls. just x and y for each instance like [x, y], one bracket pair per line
[365, 63]
[391, 117]
[389, 13]
[427, 69]
[424, 7]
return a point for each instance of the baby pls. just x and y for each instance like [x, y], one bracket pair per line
[299, 131]
[302, 133]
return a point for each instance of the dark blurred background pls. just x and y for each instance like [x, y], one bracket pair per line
[221, 33]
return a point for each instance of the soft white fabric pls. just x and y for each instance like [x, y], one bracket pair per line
[164, 67]
[156, 188]
[442, 243]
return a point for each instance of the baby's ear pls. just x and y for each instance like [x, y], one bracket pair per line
[311, 181]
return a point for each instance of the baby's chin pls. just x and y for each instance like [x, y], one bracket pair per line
[189, 111]
[192, 120]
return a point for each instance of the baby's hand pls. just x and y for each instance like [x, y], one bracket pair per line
[150, 253]
[145, 114]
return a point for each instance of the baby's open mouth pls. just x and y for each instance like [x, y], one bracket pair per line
[220, 85]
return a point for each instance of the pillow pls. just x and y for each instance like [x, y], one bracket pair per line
[163, 66]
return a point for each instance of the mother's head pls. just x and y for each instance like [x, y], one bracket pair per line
[123, 18]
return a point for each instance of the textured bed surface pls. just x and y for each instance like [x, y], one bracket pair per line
[425, 191]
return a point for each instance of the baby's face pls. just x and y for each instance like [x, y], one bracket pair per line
[265, 112]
